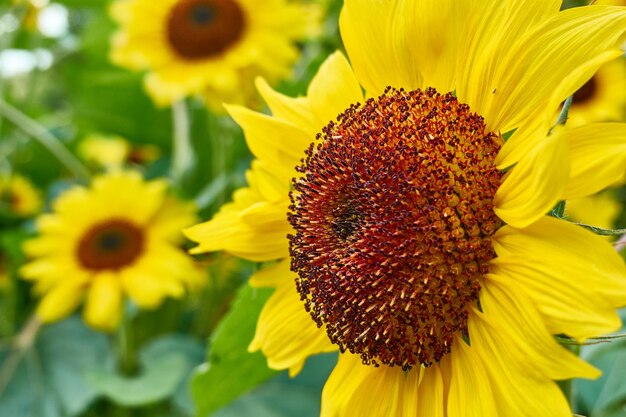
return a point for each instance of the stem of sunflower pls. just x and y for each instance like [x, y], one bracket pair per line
[23, 341]
[127, 352]
[38, 132]
[182, 152]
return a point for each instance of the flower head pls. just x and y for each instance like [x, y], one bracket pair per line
[18, 196]
[213, 48]
[412, 237]
[118, 238]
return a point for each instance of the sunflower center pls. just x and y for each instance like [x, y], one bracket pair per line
[114, 245]
[586, 92]
[393, 214]
[199, 29]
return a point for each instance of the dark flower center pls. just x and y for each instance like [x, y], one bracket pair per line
[199, 29]
[587, 92]
[393, 214]
[112, 245]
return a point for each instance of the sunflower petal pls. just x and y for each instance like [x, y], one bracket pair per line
[468, 370]
[374, 54]
[59, 302]
[537, 63]
[535, 184]
[103, 306]
[286, 333]
[516, 393]
[598, 158]
[355, 389]
[574, 277]
[431, 393]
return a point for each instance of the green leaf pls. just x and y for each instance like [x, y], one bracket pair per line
[286, 397]
[165, 364]
[53, 372]
[231, 370]
[603, 397]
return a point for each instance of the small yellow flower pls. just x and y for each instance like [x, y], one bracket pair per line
[410, 235]
[18, 196]
[120, 237]
[213, 48]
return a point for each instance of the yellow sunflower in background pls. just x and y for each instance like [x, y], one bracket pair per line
[600, 210]
[18, 196]
[113, 152]
[214, 48]
[419, 245]
[120, 237]
[602, 98]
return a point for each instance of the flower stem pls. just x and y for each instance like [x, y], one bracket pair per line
[182, 152]
[45, 138]
[22, 343]
[127, 352]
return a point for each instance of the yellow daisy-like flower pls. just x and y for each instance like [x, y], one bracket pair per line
[210, 47]
[419, 245]
[18, 196]
[602, 98]
[120, 237]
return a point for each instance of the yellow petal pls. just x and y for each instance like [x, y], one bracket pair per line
[355, 389]
[574, 277]
[529, 134]
[516, 392]
[295, 111]
[537, 63]
[273, 276]
[59, 302]
[533, 186]
[598, 158]
[103, 306]
[286, 333]
[333, 89]
[470, 393]
[371, 40]
[271, 139]
[518, 328]
[431, 393]
[492, 27]
[258, 233]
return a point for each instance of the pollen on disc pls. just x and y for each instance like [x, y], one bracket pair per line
[393, 213]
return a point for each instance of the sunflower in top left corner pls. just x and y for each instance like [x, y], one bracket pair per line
[118, 238]
[212, 48]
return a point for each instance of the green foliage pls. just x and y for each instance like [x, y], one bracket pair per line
[164, 366]
[49, 379]
[231, 370]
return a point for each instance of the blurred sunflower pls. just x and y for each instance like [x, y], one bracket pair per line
[602, 98]
[119, 237]
[18, 196]
[210, 47]
[113, 152]
[436, 274]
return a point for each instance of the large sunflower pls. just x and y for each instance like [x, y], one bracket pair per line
[209, 47]
[119, 237]
[419, 245]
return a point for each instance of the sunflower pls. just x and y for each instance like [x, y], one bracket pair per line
[18, 196]
[113, 152]
[119, 237]
[210, 47]
[602, 98]
[408, 234]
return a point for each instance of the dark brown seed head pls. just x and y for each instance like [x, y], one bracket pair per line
[393, 214]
